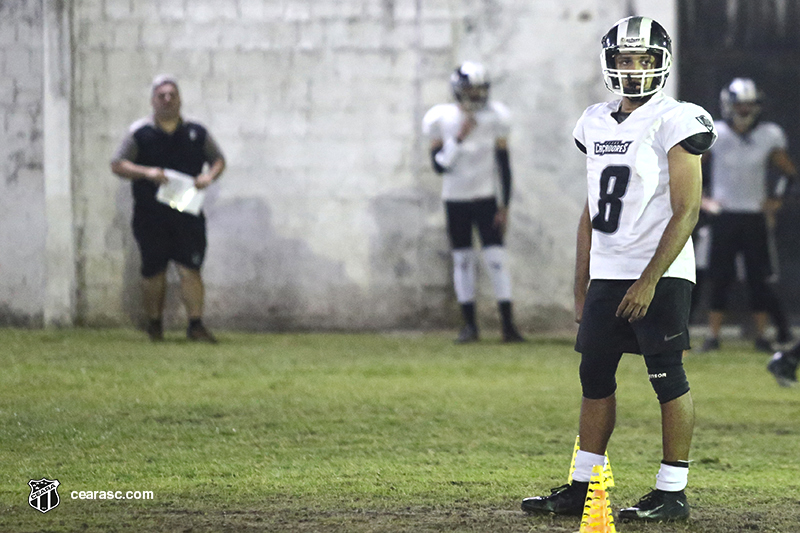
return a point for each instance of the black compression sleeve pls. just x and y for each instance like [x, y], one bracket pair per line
[501, 155]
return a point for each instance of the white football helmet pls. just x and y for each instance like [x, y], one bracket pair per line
[636, 35]
[741, 91]
[470, 84]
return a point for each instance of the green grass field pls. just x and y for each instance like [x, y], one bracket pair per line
[363, 433]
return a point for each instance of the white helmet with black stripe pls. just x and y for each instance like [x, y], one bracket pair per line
[740, 103]
[636, 35]
[470, 84]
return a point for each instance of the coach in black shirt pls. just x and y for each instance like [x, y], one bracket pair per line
[166, 141]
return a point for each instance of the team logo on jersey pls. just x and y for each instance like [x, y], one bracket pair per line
[705, 121]
[44, 495]
[611, 147]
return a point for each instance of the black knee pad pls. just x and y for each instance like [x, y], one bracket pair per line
[667, 375]
[598, 375]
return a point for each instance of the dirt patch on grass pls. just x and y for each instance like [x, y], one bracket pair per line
[460, 518]
[425, 520]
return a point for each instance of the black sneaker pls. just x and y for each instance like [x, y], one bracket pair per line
[658, 506]
[511, 334]
[467, 334]
[155, 331]
[785, 372]
[564, 500]
[763, 345]
[710, 344]
[199, 333]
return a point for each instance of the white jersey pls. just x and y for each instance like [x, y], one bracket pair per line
[628, 183]
[739, 165]
[474, 172]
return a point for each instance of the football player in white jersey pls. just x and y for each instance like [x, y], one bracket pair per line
[635, 265]
[469, 148]
[740, 160]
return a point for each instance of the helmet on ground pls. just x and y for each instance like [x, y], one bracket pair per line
[636, 35]
[470, 84]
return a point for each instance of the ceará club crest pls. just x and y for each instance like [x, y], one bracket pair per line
[44, 495]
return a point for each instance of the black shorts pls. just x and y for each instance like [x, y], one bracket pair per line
[165, 235]
[734, 234]
[463, 216]
[664, 328]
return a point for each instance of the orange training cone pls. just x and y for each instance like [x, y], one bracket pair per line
[597, 515]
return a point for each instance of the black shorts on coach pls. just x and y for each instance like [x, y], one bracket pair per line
[665, 326]
[164, 234]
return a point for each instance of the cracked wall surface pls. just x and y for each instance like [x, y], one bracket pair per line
[22, 226]
[328, 215]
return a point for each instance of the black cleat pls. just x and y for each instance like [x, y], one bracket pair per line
[658, 506]
[155, 331]
[467, 334]
[511, 335]
[785, 372]
[763, 345]
[710, 344]
[199, 333]
[566, 500]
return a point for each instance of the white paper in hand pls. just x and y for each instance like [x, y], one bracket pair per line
[180, 193]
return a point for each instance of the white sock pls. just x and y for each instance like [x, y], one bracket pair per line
[464, 273]
[672, 478]
[584, 463]
[495, 259]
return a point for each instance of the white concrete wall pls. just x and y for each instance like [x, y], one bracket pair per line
[22, 213]
[329, 215]
[60, 269]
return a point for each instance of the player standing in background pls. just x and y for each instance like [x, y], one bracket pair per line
[469, 148]
[742, 210]
[634, 263]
